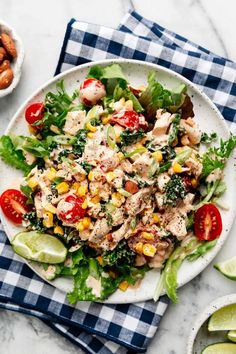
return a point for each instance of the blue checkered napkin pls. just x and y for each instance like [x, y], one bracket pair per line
[138, 38]
[96, 328]
[106, 328]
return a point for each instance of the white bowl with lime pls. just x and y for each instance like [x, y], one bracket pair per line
[214, 331]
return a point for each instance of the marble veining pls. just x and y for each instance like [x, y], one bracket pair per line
[41, 25]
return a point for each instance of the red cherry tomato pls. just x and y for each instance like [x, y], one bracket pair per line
[34, 112]
[13, 204]
[91, 91]
[207, 223]
[129, 119]
[70, 209]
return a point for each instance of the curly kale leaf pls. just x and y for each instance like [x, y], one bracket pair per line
[130, 137]
[122, 254]
[174, 190]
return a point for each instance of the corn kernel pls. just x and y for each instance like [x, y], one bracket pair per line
[120, 156]
[82, 190]
[110, 176]
[48, 219]
[156, 218]
[75, 186]
[86, 221]
[58, 230]
[118, 139]
[139, 247]
[106, 120]
[91, 176]
[129, 105]
[194, 182]
[90, 135]
[32, 183]
[158, 156]
[96, 199]
[117, 199]
[149, 250]
[50, 207]
[51, 174]
[100, 260]
[47, 160]
[62, 187]
[147, 235]
[124, 285]
[32, 130]
[177, 168]
[84, 205]
[79, 226]
[90, 127]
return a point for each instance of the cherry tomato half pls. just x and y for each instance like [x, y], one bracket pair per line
[91, 91]
[70, 209]
[34, 112]
[129, 119]
[13, 204]
[207, 223]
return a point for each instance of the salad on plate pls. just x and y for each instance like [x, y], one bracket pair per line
[116, 183]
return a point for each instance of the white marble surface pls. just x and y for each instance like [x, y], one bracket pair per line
[41, 25]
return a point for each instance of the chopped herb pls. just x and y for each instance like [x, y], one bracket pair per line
[86, 166]
[28, 193]
[78, 147]
[174, 129]
[208, 138]
[109, 219]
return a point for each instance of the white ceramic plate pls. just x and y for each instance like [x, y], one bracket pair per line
[200, 337]
[208, 118]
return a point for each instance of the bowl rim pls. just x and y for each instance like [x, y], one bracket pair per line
[19, 60]
[205, 314]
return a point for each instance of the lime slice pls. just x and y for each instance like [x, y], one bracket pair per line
[224, 319]
[220, 348]
[39, 247]
[232, 336]
[227, 268]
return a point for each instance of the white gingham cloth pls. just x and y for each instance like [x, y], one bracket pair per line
[98, 328]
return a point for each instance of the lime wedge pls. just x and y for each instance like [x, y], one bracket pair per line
[39, 247]
[224, 319]
[227, 268]
[220, 348]
[232, 336]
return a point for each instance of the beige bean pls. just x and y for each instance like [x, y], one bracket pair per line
[9, 44]
[6, 78]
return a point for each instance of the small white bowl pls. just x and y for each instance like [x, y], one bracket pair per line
[16, 64]
[200, 337]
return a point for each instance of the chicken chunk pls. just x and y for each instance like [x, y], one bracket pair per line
[142, 164]
[191, 129]
[137, 202]
[100, 229]
[74, 122]
[194, 165]
[162, 180]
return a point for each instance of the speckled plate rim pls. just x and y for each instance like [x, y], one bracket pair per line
[135, 295]
[206, 313]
